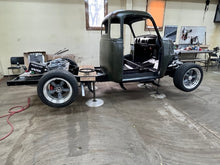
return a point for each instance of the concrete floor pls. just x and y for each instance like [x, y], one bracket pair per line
[131, 128]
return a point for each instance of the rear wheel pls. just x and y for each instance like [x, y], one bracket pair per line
[188, 77]
[57, 88]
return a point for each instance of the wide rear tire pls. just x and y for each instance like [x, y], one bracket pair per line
[188, 77]
[57, 88]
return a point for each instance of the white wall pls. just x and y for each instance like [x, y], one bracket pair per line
[48, 25]
[51, 25]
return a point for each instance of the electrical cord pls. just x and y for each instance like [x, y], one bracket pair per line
[11, 113]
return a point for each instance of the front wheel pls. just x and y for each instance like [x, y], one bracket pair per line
[188, 77]
[57, 88]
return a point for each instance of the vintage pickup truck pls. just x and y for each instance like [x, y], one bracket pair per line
[151, 58]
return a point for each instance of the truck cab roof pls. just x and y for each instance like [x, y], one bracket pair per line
[129, 16]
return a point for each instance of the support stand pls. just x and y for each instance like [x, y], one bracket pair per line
[88, 75]
[94, 102]
[157, 91]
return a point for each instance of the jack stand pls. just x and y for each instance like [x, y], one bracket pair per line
[158, 95]
[94, 102]
[158, 85]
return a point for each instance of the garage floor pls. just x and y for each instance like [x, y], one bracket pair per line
[133, 127]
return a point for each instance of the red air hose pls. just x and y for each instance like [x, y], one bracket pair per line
[11, 113]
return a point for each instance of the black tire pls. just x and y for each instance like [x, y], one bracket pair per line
[57, 88]
[188, 77]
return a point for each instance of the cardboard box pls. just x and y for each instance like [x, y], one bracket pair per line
[35, 56]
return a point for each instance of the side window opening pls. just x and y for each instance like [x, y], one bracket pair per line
[115, 31]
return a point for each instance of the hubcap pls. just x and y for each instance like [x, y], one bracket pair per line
[191, 78]
[57, 90]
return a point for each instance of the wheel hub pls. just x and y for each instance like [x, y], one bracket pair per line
[58, 89]
[190, 78]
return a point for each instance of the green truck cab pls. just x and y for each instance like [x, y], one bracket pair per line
[150, 58]
[145, 47]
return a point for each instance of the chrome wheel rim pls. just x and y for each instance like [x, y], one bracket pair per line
[57, 90]
[191, 78]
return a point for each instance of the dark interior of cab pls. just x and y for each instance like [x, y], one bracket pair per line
[144, 56]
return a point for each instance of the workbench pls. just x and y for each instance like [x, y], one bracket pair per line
[192, 56]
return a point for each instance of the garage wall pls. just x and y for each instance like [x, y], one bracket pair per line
[1, 71]
[51, 25]
[48, 25]
[191, 13]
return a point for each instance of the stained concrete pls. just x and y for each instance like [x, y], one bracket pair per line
[133, 127]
